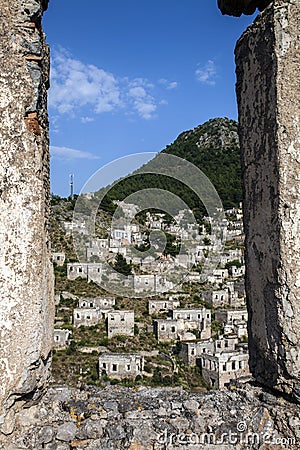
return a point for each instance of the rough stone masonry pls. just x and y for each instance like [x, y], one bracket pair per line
[268, 91]
[26, 281]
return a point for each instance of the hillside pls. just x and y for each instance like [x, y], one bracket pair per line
[213, 147]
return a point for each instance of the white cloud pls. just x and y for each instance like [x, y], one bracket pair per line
[207, 74]
[75, 85]
[170, 85]
[66, 153]
[87, 119]
[141, 99]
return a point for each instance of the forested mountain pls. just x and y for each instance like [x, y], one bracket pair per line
[213, 147]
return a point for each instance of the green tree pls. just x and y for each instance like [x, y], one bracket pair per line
[121, 265]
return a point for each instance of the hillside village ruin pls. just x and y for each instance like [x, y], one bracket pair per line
[221, 356]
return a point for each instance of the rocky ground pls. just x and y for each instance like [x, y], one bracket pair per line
[244, 417]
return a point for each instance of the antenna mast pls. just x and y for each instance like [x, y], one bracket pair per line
[72, 186]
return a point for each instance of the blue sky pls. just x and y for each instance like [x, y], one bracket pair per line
[128, 76]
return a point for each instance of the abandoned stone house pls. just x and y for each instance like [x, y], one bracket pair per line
[129, 209]
[238, 328]
[185, 260]
[237, 213]
[152, 283]
[158, 306]
[234, 321]
[91, 311]
[121, 365]
[78, 226]
[61, 338]
[121, 235]
[184, 324]
[97, 302]
[167, 330]
[229, 316]
[89, 271]
[231, 255]
[86, 316]
[218, 276]
[194, 319]
[216, 298]
[193, 277]
[236, 292]
[120, 323]
[96, 248]
[58, 258]
[191, 351]
[219, 369]
[237, 271]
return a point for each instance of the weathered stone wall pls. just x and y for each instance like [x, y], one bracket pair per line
[268, 67]
[26, 282]
[118, 418]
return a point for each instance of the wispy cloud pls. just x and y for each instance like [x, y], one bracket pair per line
[207, 74]
[170, 85]
[87, 119]
[66, 153]
[75, 85]
[142, 101]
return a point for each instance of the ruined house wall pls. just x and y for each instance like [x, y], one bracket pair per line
[26, 282]
[268, 66]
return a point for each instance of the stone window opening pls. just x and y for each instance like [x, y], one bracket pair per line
[104, 365]
[122, 319]
[162, 327]
[192, 351]
[240, 364]
[80, 269]
[91, 305]
[57, 338]
[88, 317]
[226, 344]
[233, 365]
[173, 329]
[115, 368]
[207, 315]
[78, 316]
[224, 368]
[112, 318]
[128, 367]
